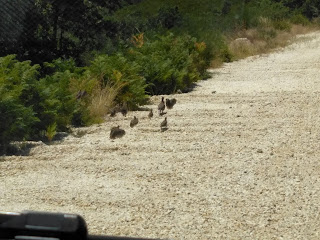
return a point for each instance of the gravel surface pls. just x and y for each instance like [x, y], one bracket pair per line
[239, 160]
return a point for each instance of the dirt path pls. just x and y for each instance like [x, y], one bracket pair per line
[238, 163]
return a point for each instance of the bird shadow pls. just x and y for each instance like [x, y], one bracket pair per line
[164, 129]
[162, 113]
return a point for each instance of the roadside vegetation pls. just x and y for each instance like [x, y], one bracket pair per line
[68, 63]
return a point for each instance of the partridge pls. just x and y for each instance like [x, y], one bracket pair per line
[134, 121]
[150, 115]
[124, 110]
[116, 132]
[164, 123]
[161, 106]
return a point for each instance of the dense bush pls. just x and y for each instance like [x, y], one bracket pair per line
[17, 95]
[58, 103]
[29, 105]
[299, 19]
[169, 63]
[117, 69]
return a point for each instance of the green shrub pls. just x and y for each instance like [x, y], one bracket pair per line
[16, 121]
[51, 131]
[267, 9]
[225, 55]
[29, 105]
[281, 25]
[58, 104]
[17, 117]
[168, 17]
[169, 63]
[300, 19]
[117, 70]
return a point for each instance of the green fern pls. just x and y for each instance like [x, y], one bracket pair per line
[51, 131]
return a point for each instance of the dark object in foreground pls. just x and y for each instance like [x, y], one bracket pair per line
[117, 132]
[30, 225]
[170, 103]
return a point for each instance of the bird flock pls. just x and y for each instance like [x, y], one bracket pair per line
[117, 132]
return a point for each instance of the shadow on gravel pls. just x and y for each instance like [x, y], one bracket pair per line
[190, 88]
[24, 148]
[209, 75]
[18, 149]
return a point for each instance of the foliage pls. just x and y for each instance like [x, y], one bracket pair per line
[117, 70]
[58, 103]
[168, 17]
[282, 25]
[300, 19]
[17, 118]
[309, 8]
[51, 131]
[255, 10]
[169, 63]
[49, 29]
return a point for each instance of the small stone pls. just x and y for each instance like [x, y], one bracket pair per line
[259, 151]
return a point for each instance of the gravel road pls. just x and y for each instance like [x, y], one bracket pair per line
[240, 159]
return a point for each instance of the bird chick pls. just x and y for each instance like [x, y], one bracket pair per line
[116, 132]
[150, 115]
[164, 123]
[113, 112]
[124, 110]
[161, 106]
[134, 121]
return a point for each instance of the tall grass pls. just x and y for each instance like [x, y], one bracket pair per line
[102, 100]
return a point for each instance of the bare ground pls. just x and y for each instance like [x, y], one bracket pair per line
[240, 160]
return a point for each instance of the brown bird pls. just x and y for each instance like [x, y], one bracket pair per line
[116, 132]
[164, 123]
[150, 115]
[134, 121]
[124, 110]
[113, 112]
[161, 106]
[170, 103]
[81, 94]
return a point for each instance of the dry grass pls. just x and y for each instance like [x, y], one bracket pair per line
[99, 99]
[216, 63]
[265, 39]
[102, 100]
